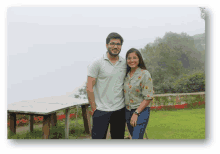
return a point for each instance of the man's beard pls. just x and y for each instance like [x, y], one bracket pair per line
[113, 54]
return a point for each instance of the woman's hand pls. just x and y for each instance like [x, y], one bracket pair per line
[133, 121]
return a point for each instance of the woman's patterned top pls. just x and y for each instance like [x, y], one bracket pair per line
[137, 88]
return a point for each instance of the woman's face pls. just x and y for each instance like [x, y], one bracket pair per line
[132, 60]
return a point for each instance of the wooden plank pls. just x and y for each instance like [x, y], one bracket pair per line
[12, 122]
[31, 123]
[86, 119]
[54, 119]
[67, 113]
[46, 126]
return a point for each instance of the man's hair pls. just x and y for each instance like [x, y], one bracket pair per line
[141, 61]
[114, 35]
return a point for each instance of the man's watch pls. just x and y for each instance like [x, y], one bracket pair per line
[136, 112]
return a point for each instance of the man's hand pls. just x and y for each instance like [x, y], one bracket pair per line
[93, 110]
[93, 106]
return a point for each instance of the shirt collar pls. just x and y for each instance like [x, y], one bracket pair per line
[138, 70]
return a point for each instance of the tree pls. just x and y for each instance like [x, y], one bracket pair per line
[82, 94]
[169, 57]
[203, 13]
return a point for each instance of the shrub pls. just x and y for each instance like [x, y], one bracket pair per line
[191, 83]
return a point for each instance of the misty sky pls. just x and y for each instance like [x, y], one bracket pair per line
[49, 48]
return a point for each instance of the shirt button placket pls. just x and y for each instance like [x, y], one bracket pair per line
[129, 97]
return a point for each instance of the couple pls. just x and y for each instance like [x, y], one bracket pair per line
[119, 91]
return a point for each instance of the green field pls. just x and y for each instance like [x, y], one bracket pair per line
[179, 124]
[175, 124]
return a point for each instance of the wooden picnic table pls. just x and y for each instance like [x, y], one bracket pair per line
[47, 107]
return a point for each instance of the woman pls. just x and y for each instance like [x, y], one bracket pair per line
[138, 90]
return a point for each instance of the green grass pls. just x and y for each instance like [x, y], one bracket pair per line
[179, 124]
[76, 129]
[176, 124]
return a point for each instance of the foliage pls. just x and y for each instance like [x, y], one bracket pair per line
[170, 103]
[170, 57]
[203, 13]
[191, 83]
[82, 94]
[57, 132]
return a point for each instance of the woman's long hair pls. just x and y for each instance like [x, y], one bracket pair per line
[141, 61]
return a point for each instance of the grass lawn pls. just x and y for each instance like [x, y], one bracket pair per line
[176, 124]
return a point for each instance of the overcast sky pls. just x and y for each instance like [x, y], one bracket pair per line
[49, 48]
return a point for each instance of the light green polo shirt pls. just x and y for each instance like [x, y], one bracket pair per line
[108, 90]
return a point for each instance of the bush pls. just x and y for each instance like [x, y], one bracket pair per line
[165, 87]
[191, 83]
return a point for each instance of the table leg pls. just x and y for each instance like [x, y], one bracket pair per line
[67, 113]
[31, 123]
[46, 126]
[86, 119]
[53, 119]
[13, 122]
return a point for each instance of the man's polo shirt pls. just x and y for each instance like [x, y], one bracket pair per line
[108, 90]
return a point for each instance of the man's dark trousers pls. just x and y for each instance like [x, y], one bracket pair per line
[101, 121]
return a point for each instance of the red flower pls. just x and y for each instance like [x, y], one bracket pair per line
[40, 118]
[131, 101]
[137, 90]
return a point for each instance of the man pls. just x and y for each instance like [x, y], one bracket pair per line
[105, 90]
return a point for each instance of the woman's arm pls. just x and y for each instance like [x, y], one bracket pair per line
[142, 106]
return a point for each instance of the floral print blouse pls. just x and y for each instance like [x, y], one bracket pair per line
[137, 88]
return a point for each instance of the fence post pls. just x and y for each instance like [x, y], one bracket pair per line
[177, 99]
[46, 126]
[31, 123]
[67, 123]
[86, 119]
[13, 122]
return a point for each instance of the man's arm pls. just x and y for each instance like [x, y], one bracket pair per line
[89, 88]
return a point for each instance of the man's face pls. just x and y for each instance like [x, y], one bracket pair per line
[114, 47]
